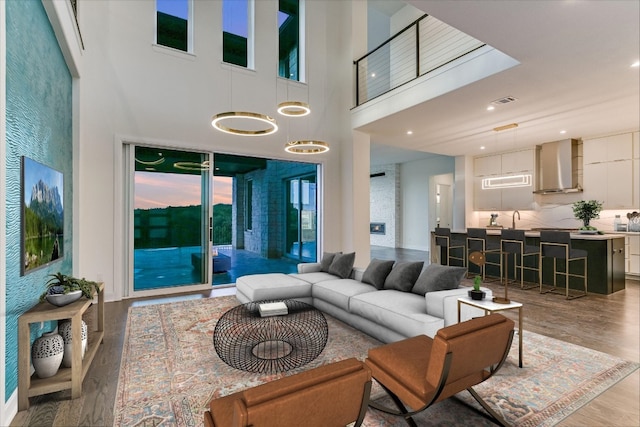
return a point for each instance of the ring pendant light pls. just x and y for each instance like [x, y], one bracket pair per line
[294, 108]
[306, 147]
[219, 119]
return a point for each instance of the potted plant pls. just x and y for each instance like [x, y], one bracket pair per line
[63, 289]
[586, 210]
[476, 293]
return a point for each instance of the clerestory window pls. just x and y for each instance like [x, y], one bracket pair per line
[237, 32]
[289, 52]
[174, 24]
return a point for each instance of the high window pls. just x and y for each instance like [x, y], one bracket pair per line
[173, 24]
[237, 32]
[289, 39]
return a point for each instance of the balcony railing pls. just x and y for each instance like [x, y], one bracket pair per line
[420, 48]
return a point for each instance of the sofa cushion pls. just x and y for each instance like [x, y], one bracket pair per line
[436, 277]
[342, 265]
[258, 287]
[402, 312]
[376, 272]
[403, 275]
[327, 259]
[338, 292]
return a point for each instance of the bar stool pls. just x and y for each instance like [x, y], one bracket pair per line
[477, 241]
[557, 245]
[512, 242]
[444, 240]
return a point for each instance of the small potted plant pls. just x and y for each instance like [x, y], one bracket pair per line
[476, 293]
[63, 289]
[586, 210]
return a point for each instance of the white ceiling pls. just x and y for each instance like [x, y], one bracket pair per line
[575, 74]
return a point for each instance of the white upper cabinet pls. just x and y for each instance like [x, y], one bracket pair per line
[608, 149]
[487, 165]
[518, 162]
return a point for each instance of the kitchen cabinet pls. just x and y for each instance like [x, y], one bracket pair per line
[610, 174]
[632, 246]
[503, 165]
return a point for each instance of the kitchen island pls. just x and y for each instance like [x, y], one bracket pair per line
[605, 260]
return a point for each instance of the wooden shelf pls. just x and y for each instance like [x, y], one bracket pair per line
[65, 378]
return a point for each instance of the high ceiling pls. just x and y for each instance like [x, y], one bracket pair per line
[574, 75]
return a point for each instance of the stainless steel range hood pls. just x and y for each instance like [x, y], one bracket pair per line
[557, 167]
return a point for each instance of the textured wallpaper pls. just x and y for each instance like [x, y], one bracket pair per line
[39, 126]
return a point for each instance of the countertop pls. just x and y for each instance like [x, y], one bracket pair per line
[574, 235]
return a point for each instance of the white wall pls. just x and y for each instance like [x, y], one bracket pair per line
[415, 197]
[133, 91]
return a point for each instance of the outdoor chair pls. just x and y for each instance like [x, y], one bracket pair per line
[421, 371]
[330, 395]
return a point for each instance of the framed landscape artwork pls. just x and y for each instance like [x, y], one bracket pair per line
[42, 220]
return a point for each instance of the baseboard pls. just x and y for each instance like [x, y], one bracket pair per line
[10, 409]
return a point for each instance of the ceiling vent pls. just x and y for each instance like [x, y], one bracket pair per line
[505, 100]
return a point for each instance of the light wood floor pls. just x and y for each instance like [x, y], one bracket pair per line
[610, 324]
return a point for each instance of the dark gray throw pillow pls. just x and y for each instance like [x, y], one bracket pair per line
[376, 272]
[403, 275]
[436, 277]
[342, 265]
[327, 259]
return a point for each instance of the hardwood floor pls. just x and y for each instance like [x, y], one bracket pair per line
[610, 324]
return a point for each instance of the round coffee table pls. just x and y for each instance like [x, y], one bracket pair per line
[246, 341]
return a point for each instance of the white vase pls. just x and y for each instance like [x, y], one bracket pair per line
[65, 331]
[46, 354]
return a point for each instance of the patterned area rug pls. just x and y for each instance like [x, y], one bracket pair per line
[170, 371]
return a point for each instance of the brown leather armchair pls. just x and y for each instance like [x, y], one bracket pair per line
[336, 394]
[421, 371]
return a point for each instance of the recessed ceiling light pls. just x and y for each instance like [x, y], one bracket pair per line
[491, 108]
[636, 64]
[482, 148]
[373, 74]
[409, 132]
[563, 132]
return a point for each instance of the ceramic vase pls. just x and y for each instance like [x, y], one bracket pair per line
[65, 332]
[46, 354]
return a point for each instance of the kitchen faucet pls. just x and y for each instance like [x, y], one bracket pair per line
[513, 219]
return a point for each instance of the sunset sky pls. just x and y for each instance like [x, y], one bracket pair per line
[158, 190]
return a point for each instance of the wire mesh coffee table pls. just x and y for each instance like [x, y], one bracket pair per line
[246, 341]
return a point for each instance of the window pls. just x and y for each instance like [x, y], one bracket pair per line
[237, 32]
[173, 24]
[248, 202]
[289, 39]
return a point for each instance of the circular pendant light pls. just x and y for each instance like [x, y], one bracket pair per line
[218, 119]
[306, 147]
[294, 109]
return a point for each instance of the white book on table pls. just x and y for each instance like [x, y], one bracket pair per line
[273, 309]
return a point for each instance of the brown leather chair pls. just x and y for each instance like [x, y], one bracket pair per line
[336, 394]
[421, 371]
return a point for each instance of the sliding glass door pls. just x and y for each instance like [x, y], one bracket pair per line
[171, 218]
[301, 218]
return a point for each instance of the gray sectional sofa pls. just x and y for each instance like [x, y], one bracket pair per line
[411, 306]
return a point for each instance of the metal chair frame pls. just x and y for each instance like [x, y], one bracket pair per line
[567, 251]
[480, 244]
[517, 266]
[447, 240]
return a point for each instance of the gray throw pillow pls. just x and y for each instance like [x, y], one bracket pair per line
[327, 259]
[342, 265]
[376, 272]
[436, 277]
[403, 275]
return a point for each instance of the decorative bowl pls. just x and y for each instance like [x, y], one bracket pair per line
[64, 299]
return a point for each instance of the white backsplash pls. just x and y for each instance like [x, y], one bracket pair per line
[548, 216]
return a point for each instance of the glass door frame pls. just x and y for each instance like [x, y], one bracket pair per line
[128, 205]
[287, 184]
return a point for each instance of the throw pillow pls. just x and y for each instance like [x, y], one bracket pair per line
[403, 275]
[342, 265]
[376, 272]
[327, 259]
[436, 277]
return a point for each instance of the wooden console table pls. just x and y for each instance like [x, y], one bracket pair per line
[66, 378]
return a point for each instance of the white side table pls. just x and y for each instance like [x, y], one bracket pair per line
[491, 307]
